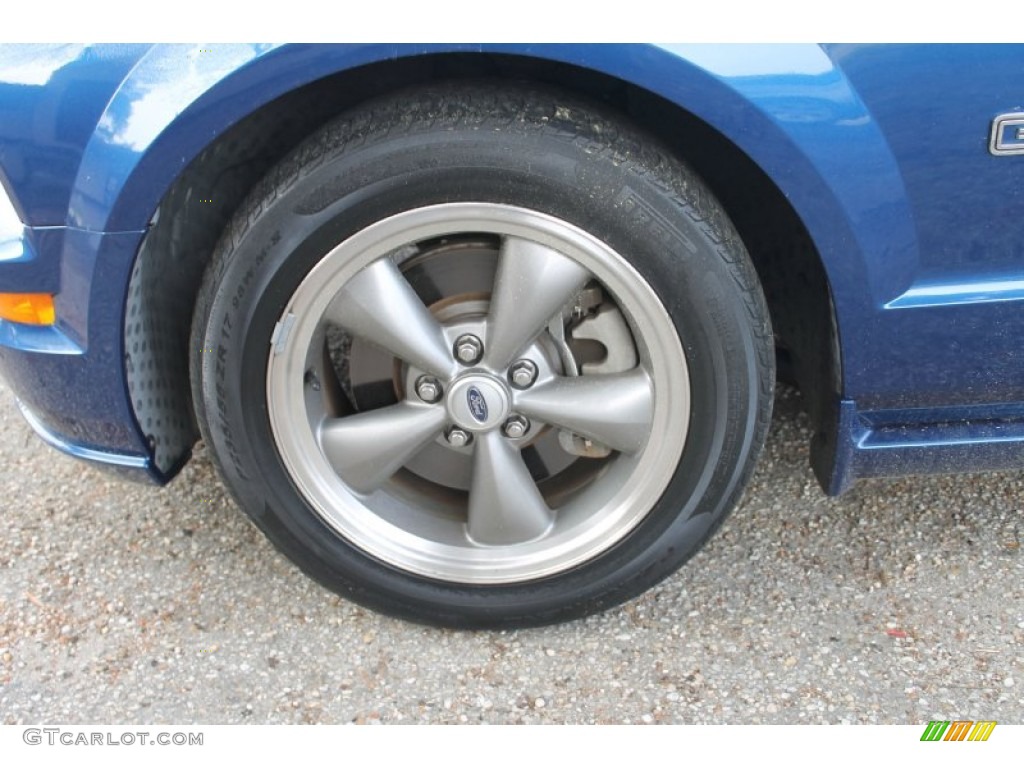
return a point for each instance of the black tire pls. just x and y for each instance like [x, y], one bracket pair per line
[517, 149]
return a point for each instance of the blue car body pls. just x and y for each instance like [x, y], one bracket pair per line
[881, 155]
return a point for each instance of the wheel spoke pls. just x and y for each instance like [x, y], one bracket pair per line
[368, 448]
[614, 409]
[533, 282]
[380, 306]
[505, 506]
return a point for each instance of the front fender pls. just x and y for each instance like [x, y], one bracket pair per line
[788, 107]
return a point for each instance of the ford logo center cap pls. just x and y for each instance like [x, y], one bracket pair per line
[478, 402]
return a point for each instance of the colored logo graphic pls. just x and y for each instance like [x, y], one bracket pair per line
[958, 730]
[477, 404]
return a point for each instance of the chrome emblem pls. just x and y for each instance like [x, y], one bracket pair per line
[1007, 137]
[477, 404]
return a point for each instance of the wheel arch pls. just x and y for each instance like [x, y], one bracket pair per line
[736, 117]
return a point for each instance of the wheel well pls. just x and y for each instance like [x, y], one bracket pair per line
[196, 209]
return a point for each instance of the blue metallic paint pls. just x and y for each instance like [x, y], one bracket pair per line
[881, 150]
[102, 457]
[51, 99]
[79, 362]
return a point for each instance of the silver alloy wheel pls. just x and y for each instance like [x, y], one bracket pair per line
[389, 479]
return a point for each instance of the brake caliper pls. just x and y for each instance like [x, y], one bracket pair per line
[602, 342]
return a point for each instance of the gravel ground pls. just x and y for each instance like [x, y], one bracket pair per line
[901, 602]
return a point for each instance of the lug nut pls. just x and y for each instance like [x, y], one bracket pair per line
[522, 374]
[469, 349]
[515, 427]
[428, 388]
[457, 438]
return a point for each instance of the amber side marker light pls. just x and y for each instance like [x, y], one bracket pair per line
[28, 308]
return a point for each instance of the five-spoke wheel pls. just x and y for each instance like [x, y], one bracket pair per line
[511, 429]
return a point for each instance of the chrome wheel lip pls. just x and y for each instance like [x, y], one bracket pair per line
[591, 522]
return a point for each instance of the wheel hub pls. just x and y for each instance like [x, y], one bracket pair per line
[478, 402]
